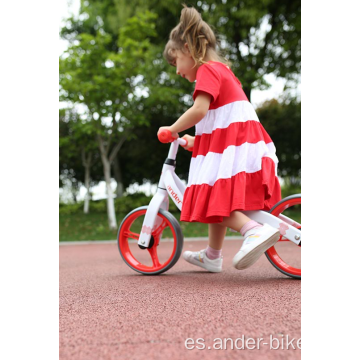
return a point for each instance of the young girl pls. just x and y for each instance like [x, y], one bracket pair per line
[233, 165]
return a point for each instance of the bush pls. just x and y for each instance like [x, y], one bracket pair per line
[130, 202]
[68, 209]
[98, 206]
[123, 205]
[287, 190]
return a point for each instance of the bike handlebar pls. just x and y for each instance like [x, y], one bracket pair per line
[165, 137]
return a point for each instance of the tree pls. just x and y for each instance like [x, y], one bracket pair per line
[282, 121]
[70, 168]
[108, 83]
[78, 152]
[259, 37]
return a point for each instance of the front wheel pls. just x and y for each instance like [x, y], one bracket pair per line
[285, 256]
[155, 259]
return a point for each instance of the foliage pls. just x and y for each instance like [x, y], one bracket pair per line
[68, 209]
[76, 144]
[69, 165]
[75, 225]
[262, 37]
[105, 81]
[290, 189]
[108, 83]
[123, 205]
[259, 37]
[114, 68]
[282, 120]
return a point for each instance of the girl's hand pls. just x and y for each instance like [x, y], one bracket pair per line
[175, 135]
[190, 139]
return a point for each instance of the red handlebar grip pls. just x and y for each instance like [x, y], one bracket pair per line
[165, 136]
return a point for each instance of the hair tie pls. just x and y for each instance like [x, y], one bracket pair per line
[203, 38]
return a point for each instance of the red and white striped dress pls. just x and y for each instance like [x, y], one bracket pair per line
[233, 164]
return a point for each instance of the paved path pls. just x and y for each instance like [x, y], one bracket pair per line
[108, 311]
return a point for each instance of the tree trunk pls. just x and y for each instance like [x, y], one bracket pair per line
[86, 161]
[107, 160]
[118, 178]
[107, 175]
[74, 193]
[87, 185]
[110, 198]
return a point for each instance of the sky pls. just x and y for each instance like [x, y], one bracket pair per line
[69, 7]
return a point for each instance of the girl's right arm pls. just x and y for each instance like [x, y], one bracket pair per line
[193, 115]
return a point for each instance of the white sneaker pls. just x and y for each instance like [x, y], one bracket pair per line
[199, 258]
[257, 241]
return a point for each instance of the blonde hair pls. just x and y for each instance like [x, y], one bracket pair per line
[198, 35]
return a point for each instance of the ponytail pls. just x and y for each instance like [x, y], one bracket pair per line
[198, 35]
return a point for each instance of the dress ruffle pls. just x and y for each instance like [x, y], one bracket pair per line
[244, 191]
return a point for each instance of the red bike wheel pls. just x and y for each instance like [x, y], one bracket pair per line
[152, 260]
[285, 256]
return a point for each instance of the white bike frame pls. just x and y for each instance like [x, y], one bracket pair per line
[171, 185]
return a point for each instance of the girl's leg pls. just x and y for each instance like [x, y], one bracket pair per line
[258, 238]
[217, 232]
[216, 235]
[213, 260]
[235, 221]
[209, 258]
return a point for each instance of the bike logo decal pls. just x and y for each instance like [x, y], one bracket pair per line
[283, 227]
[174, 194]
[146, 230]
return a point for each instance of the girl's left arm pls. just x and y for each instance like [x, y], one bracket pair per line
[192, 116]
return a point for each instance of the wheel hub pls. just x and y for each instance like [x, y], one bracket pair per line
[152, 240]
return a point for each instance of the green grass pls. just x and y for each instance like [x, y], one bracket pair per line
[80, 226]
[75, 225]
[94, 226]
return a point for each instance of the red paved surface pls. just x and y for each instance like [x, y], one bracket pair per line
[108, 311]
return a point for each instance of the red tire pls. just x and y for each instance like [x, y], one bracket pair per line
[150, 261]
[289, 206]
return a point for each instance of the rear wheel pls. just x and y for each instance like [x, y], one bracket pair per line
[285, 256]
[155, 259]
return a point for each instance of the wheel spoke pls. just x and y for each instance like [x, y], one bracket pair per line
[154, 256]
[158, 231]
[283, 238]
[131, 235]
